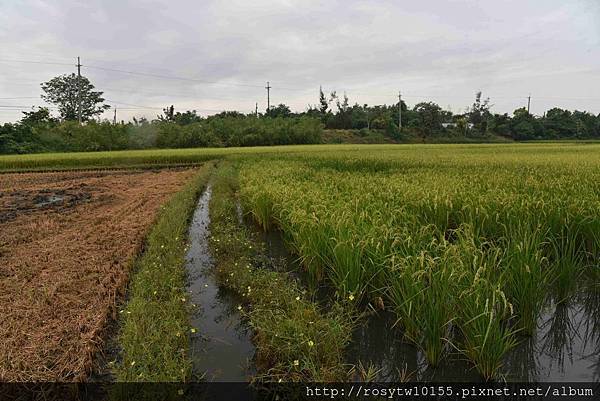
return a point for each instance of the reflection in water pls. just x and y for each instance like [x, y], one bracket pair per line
[378, 344]
[565, 347]
[221, 348]
[590, 330]
[556, 336]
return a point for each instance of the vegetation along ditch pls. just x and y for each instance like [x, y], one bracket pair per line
[389, 266]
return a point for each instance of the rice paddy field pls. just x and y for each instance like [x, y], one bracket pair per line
[465, 245]
[465, 249]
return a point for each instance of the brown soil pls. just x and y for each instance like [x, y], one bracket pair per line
[66, 244]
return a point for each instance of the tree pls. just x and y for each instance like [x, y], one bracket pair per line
[559, 123]
[524, 126]
[68, 91]
[36, 117]
[500, 125]
[342, 118]
[430, 117]
[323, 103]
[168, 114]
[480, 114]
[281, 110]
[186, 118]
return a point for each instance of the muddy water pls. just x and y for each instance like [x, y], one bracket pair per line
[221, 348]
[566, 346]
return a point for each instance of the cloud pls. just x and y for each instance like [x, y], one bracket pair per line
[371, 49]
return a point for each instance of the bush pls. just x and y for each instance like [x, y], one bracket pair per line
[217, 131]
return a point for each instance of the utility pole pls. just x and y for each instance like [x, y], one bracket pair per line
[115, 117]
[268, 88]
[528, 102]
[399, 110]
[256, 110]
[78, 90]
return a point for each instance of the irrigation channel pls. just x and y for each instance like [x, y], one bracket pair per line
[221, 348]
[565, 347]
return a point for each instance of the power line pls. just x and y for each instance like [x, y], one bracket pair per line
[141, 107]
[170, 77]
[33, 62]
[152, 75]
[10, 105]
[186, 79]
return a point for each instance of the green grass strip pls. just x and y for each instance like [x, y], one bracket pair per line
[155, 324]
[295, 339]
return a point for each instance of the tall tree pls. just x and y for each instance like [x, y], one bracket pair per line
[323, 103]
[68, 91]
[479, 114]
[430, 117]
[168, 114]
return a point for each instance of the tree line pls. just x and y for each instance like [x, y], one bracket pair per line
[428, 119]
[40, 131]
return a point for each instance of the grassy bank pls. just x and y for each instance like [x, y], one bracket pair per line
[155, 321]
[294, 338]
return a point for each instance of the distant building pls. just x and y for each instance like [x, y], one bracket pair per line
[453, 125]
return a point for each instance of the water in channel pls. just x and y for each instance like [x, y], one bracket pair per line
[221, 348]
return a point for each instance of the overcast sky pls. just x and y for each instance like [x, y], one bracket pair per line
[443, 51]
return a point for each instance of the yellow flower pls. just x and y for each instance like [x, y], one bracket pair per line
[311, 343]
[239, 307]
[132, 363]
[296, 362]
[193, 330]
[351, 297]
[297, 298]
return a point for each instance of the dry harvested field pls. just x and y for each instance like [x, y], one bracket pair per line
[66, 244]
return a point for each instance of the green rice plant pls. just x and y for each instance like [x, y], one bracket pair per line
[567, 262]
[415, 225]
[486, 337]
[261, 208]
[421, 290]
[483, 311]
[526, 273]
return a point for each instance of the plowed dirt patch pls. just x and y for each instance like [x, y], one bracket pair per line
[67, 241]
